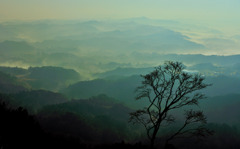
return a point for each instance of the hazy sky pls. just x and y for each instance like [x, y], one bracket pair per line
[208, 10]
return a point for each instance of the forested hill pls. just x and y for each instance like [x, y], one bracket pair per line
[10, 84]
[46, 77]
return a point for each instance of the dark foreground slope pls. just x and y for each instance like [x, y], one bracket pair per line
[96, 120]
[99, 122]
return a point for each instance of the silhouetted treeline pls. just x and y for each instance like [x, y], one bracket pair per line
[89, 124]
[18, 129]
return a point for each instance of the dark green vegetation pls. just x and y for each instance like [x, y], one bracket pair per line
[96, 112]
[97, 120]
[76, 82]
[46, 77]
[10, 84]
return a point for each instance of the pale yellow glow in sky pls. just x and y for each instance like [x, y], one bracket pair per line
[105, 9]
[222, 15]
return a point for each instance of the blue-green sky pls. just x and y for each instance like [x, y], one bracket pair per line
[208, 10]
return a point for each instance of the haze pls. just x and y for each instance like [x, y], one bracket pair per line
[69, 70]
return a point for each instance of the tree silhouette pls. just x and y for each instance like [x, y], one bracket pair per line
[167, 88]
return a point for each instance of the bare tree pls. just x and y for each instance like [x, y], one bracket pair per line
[167, 88]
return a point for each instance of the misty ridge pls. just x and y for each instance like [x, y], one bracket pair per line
[72, 84]
[105, 45]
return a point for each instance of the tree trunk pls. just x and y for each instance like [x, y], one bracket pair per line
[152, 143]
[153, 138]
[169, 146]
